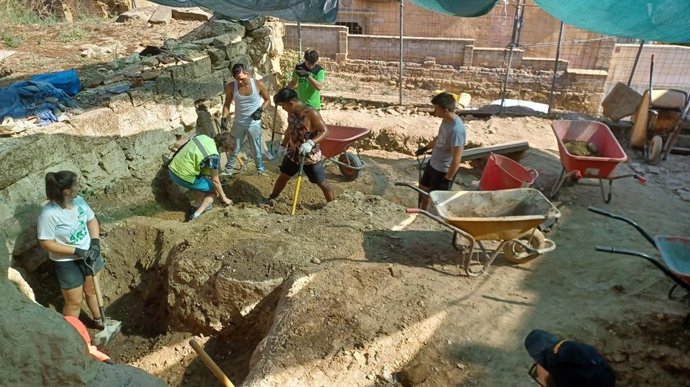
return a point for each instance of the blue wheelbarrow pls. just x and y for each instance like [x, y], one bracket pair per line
[674, 251]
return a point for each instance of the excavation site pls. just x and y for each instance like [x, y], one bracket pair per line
[555, 220]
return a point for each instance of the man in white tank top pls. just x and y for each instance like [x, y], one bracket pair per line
[247, 94]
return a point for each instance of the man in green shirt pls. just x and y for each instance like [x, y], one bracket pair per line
[309, 78]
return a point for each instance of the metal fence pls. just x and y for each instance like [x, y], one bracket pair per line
[515, 35]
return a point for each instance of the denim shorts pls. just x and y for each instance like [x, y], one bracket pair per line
[71, 274]
[202, 183]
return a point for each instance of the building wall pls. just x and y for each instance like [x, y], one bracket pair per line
[538, 36]
[670, 67]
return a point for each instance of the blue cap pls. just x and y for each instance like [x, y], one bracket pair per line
[569, 363]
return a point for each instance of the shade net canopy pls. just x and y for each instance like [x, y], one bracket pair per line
[464, 8]
[312, 11]
[659, 20]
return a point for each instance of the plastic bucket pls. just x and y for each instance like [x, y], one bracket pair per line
[501, 172]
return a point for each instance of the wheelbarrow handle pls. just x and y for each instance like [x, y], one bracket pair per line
[626, 220]
[664, 269]
[414, 187]
[443, 222]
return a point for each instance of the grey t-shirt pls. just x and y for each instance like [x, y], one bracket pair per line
[450, 135]
[66, 226]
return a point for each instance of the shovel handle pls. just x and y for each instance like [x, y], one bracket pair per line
[297, 186]
[211, 364]
[99, 293]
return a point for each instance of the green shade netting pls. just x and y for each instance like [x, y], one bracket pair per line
[464, 8]
[660, 20]
[313, 11]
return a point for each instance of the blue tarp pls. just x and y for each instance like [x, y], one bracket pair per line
[659, 20]
[466, 8]
[38, 98]
[312, 11]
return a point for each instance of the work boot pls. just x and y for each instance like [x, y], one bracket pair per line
[98, 324]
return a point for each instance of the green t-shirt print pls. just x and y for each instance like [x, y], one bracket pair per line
[80, 230]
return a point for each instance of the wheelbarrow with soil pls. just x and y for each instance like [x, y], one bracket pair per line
[674, 251]
[334, 149]
[510, 217]
[588, 149]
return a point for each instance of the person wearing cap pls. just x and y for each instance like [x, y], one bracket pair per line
[247, 95]
[566, 363]
[309, 78]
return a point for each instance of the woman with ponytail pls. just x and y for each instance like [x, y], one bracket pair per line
[69, 231]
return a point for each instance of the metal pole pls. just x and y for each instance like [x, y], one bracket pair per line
[400, 65]
[517, 21]
[555, 68]
[299, 37]
[637, 58]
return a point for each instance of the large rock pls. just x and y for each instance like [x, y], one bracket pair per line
[161, 15]
[190, 14]
[260, 44]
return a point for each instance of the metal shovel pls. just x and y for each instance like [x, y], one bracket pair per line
[110, 327]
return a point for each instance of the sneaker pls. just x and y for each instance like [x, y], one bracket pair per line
[262, 173]
[227, 172]
[267, 202]
[194, 216]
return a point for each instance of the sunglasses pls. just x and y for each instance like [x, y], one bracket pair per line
[533, 374]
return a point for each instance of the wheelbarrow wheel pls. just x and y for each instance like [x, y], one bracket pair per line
[516, 253]
[654, 148]
[352, 160]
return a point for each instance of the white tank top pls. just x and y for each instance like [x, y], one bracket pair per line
[245, 105]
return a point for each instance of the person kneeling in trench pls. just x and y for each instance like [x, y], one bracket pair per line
[301, 144]
[195, 166]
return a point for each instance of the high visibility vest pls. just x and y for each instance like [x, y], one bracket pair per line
[187, 162]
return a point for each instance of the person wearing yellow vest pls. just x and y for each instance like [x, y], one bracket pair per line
[195, 166]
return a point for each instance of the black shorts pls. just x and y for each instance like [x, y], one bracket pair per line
[435, 180]
[314, 172]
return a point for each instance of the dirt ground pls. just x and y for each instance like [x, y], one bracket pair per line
[389, 292]
[465, 331]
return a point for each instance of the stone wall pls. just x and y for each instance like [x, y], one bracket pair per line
[132, 116]
[577, 90]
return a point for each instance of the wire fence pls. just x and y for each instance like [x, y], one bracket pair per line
[516, 51]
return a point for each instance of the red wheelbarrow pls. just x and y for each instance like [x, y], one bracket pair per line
[674, 251]
[607, 154]
[334, 149]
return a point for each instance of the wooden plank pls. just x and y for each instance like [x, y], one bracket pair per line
[680, 151]
[483, 151]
